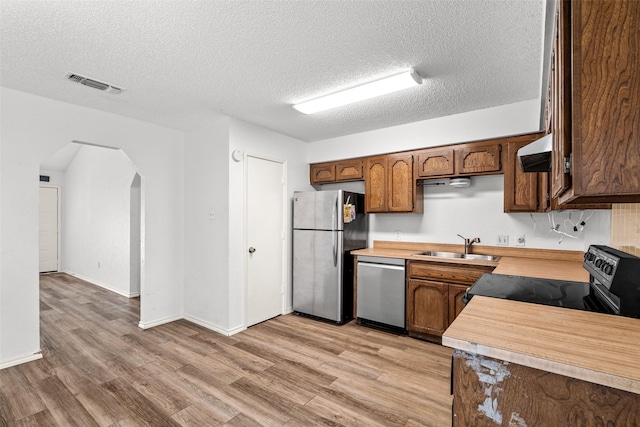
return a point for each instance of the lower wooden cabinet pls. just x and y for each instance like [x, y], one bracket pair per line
[434, 295]
[456, 292]
[492, 392]
[428, 308]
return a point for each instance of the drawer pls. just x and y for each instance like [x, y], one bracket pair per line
[458, 273]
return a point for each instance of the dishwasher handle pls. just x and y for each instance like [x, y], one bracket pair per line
[386, 266]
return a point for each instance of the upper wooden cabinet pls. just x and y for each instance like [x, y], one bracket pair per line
[473, 158]
[479, 157]
[389, 184]
[322, 173]
[349, 170]
[343, 170]
[522, 191]
[595, 98]
[434, 162]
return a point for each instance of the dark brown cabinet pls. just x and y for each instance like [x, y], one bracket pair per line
[349, 170]
[435, 162]
[523, 192]
[595, 96]
[321, 173]
[530, 396]
[434, 295]
[478, 158]
[389, 184]
[456, 292]
[473, 158]
[428, 307]
[343, 170]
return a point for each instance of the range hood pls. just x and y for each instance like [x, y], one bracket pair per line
[536, 156]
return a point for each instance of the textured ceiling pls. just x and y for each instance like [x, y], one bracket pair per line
[181, 62]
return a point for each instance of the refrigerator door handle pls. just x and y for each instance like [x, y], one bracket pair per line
[335, 248]
[334, 215]
[335, 219]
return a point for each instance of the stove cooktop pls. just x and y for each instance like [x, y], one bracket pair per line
[559, 293]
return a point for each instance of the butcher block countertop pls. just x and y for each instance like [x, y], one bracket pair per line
[598, 348]
[543, 263]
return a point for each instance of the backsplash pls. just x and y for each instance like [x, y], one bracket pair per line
[625, 227]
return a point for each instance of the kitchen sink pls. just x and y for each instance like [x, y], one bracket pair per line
[474, 257]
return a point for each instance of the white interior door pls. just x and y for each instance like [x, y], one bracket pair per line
[265, 239]
[48, 229]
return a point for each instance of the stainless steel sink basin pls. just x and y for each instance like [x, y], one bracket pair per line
[474, 257]
[481, 257]
[440, 254]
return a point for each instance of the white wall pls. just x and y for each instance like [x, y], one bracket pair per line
[251, 139]
[215, 248]
[206, 287]
[96, 221]
[521, 117]
[476, 211]
[135, 235]
[33, 128]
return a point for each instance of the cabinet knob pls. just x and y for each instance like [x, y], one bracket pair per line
[252, 250]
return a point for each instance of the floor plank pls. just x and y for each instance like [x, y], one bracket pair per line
[100, 369]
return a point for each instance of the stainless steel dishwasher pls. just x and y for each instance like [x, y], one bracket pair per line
[381, 292]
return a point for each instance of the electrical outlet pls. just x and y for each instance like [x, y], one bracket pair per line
[212, 215]
[520, 240]
[503, 239]
[397, 234]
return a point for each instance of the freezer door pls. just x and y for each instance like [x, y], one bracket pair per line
[317, 273]
[317, 210]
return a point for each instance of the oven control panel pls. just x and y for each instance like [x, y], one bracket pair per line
[600, 262]
[614, 278]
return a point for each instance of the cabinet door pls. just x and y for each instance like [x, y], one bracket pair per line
[561, 101]
[456, 292]
[349, 170]
[400, 183]
[605, 100]
[479, 158]
[520, 188]
[375, 184]
[427, 307]
[322, 173]
[434, 162]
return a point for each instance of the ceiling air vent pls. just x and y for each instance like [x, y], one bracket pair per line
[105, 87]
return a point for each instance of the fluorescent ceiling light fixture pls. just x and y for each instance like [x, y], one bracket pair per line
[360, 93]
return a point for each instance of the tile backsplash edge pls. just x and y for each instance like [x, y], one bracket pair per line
[625, 227]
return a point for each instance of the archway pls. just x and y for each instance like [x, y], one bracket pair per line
[101, 224]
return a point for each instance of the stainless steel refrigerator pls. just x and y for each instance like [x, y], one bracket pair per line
[326, 226]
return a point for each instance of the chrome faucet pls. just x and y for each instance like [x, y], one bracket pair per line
[469, 242]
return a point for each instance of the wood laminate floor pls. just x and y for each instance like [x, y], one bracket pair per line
[100, 369]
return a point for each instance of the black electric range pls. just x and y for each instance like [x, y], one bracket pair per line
[613, 287]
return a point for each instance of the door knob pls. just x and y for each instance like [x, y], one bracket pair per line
[252, 250]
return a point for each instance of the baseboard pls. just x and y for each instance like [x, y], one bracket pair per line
[212, 327]
[288, 310]
[21, 360]
[102, 285]
[147, 325]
